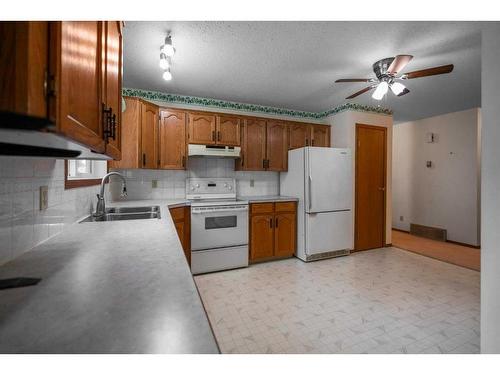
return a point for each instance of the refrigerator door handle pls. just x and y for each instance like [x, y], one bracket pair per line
[310, 192]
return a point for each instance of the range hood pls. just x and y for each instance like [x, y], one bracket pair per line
[214, 151]
[22, 135]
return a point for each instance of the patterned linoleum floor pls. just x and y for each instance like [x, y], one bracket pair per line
[379, 301]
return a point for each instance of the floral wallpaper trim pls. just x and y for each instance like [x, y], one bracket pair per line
[223, 104]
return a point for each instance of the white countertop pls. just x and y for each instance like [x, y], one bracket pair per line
[107, 287]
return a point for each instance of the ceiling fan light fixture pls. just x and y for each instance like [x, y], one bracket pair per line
[380, 91]
[397, 88]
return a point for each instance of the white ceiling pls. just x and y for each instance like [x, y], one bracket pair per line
[294, 64]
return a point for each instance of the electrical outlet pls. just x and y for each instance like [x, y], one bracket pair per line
[401, 218]
[44, 197]
[252, 183]
[154, 184]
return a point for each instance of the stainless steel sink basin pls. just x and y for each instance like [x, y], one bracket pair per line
[127, 210]
[126, 213]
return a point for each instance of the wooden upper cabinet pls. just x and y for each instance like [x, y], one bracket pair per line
[320, 135]
[254, 145]
[261, 236]
[172, 139]
[149, 136]
[228, 130]
[77, 67]
[23, 66]
[299, 135]
[112, 83]
[277, 146]
[202, 128]
[130, 131]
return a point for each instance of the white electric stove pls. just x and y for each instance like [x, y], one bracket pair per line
[219, 225]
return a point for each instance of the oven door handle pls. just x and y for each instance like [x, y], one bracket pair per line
[195, 210]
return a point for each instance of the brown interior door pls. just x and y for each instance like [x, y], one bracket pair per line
[277, 146]
[112, 81]
[78, 53]
[149, 136]
[299, 135]
[228, 130]
[172, 140]
[371, 148]
[261, 236]
[320, 135]
[202, 129]
[254, 145]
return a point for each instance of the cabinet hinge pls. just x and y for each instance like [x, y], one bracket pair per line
[49, 85]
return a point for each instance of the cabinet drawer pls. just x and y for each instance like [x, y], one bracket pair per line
[177, 214]
[260, 208]
[285, 206]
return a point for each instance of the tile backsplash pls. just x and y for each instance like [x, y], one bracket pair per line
[22, 224]
[172, 184]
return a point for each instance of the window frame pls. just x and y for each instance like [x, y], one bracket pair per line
[83, 182]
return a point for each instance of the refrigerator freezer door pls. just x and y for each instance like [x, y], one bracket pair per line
[329, 231]
[329, 179]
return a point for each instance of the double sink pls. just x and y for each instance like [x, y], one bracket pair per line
[126, 213]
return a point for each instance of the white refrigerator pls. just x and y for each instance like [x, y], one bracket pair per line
[322, 180]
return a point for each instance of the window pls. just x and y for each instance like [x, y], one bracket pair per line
[82, 172]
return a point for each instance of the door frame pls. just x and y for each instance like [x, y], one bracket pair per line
[384, 234]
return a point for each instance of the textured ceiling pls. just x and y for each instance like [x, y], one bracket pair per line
[294, 64]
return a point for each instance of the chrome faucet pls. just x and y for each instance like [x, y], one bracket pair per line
[100, 209]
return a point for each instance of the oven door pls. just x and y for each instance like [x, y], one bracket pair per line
[218, 226]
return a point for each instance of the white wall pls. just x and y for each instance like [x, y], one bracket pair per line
[445, 195]
[343, 134]
[22, 224]
[490, 189]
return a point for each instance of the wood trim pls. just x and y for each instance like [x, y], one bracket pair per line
[450, 241]
[73, 184]
[359, 125]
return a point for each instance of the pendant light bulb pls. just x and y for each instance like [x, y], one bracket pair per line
[167, 76]
[164, 61]
[380, 91]
[168, 48]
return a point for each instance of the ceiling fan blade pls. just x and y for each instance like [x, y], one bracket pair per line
[429, 72]
[404, 92]
[398, 64]
[354, 80]
[361, 92]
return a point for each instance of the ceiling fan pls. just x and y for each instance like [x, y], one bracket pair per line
[387, 71]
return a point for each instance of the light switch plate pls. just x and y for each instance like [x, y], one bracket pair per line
[252, 183]
[154, 184]
[44, 197]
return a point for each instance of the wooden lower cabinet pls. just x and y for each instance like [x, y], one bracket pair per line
[273, 230]
[181, 217]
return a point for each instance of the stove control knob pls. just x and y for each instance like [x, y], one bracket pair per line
[225, 185]
[230, 187]
[192, 187]
[197, 185]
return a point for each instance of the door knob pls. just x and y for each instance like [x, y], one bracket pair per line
[381, 188]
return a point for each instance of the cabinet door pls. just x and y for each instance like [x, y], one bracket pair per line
[284, 234]
[202, 129]
[149, 136]
[261, 236]
[228, 130]
[277, 146]
[254, 145]
[320, 135]
[112, 81]
[172, 139]
[77, 48]
[299, 135]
